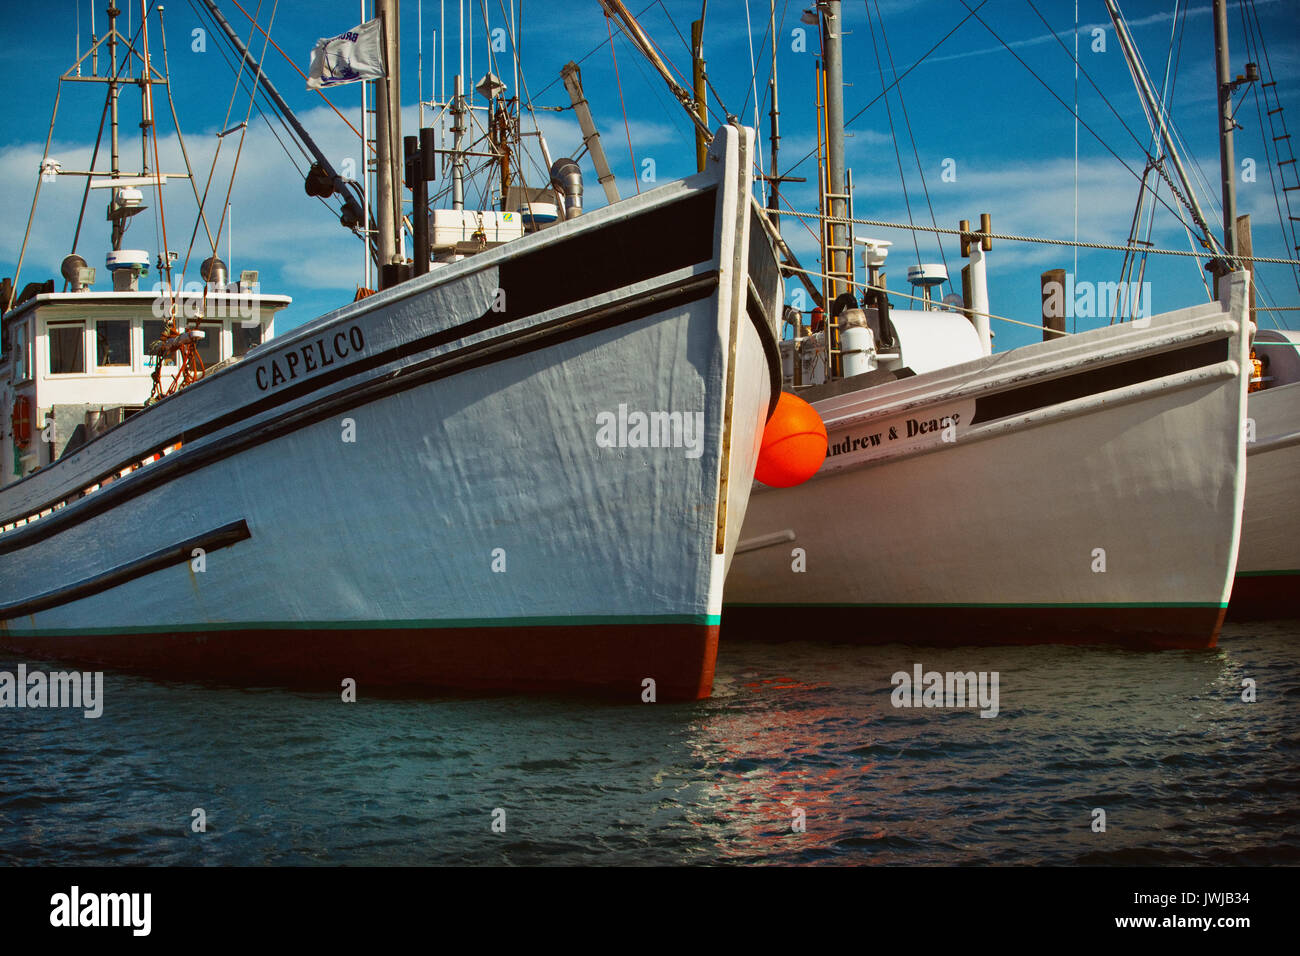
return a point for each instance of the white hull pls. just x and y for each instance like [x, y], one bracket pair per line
[440, 506]
[1122, 444]
[1268, 569]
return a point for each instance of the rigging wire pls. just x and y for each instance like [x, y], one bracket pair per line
[893, 133]
[291, 62]
[189, 170]
[594, 50]
[627, 128]
[884, 37]
[271, 121]
[924, 56]
[1078, 68]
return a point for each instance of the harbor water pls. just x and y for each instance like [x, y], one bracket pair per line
[801, 756]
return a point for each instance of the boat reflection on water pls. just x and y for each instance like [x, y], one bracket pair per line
[1150, 739]
[1157, 741]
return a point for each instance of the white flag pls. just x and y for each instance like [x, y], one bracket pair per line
[348, 57]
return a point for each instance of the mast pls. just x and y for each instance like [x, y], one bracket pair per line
[701, 105]
[386, 198]
[119, 225]
[365, 172]
[774, 194]
[1227, 163]
[832, 56]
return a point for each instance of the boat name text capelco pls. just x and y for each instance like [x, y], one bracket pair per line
[308, 358]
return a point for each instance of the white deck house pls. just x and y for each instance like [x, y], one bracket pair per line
[81, 360]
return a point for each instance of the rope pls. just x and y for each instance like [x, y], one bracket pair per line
[590, 53]
[321, 93]
[893, 133]
[904, 295]
[880, 223]
[916, 155]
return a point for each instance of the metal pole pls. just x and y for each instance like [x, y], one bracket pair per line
[458, 145]
[590, 135]
[393, 64]
[419, 204]
[1227, 164]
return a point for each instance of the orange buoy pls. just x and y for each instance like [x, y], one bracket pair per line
[794, 444]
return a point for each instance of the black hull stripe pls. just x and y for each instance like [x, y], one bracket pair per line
[539, 280]
[989, 625]
[1029, 398]
[567, 271]
[181, 553]
[465, 359]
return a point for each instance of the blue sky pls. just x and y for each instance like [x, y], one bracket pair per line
[973, 109]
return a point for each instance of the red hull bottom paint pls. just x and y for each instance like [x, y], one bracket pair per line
[1260, 597]
[1144, 628]
[604, 660]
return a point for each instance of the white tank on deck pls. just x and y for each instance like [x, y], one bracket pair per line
[857, 343]
[930, 339]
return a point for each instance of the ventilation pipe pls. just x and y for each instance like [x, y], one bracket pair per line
[566, 177]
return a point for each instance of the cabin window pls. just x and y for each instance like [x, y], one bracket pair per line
[67, 348]
[153, 330]
[22, 352]
[210, 348]
[113, 342]
[246, 336]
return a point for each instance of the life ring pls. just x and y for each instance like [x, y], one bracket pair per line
[21, 419]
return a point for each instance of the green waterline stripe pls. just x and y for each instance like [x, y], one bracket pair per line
[1107, 606]
[416, 625]
[1267, 574]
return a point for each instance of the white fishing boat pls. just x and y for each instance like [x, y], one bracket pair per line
[1055, 492]
[1086, 489]
[526, 469]
[1268, 567]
